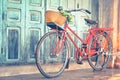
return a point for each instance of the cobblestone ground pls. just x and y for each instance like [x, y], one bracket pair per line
[83, 73]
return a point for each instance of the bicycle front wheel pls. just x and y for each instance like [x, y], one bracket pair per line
[101, 46]
[50, 60]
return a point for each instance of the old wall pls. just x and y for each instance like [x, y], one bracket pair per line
[109, 16]
[117, 18]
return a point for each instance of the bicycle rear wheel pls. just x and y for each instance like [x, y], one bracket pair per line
[49, 62]
[101, 45]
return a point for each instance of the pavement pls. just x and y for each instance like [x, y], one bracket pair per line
[75, 72]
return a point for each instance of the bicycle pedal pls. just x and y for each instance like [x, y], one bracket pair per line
[79, 62]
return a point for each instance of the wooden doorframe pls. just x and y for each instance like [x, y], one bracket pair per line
[115, 25]
[0, 27]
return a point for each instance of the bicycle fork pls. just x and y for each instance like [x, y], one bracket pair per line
[59, 46]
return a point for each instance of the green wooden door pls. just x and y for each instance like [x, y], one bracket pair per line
[22, 26]
[34, 26]
[13, 30]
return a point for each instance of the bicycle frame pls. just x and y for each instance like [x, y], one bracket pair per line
[91, 32]
[75, 34]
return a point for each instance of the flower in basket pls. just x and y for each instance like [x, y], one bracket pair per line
[66, 14]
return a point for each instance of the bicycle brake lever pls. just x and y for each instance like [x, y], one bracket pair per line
[88, 11]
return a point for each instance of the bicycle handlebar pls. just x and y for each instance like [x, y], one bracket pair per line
[88, 11]
[75, 10]
[67, 13]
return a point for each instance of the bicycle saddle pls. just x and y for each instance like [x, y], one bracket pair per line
[91, 22]
[54, 26]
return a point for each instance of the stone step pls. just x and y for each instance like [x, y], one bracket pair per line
[32, 69]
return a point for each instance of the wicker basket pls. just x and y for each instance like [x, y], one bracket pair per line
[55, 17]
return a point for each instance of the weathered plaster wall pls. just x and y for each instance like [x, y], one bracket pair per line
[109, 14]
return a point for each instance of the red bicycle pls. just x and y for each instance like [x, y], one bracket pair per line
[53, 49]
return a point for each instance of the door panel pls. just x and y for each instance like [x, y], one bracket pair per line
[13, 43]
[34, 37]
[34, 26]
[13, 30]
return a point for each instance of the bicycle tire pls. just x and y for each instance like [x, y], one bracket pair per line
[51, 65]
[103, 53]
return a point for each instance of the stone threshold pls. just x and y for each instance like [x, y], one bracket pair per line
[32, 69]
